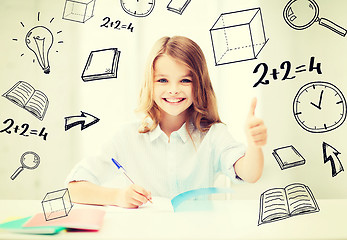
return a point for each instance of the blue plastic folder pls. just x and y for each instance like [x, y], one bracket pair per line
[16, 226]
[181, 203]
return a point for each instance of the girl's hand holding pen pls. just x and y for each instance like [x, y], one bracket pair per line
[133, 196]
[256, 131]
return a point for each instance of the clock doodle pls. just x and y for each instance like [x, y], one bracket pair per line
[319, 107]
[138, 8]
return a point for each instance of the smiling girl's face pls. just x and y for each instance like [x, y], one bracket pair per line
[172, 86]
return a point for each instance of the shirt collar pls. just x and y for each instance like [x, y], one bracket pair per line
[182, 132]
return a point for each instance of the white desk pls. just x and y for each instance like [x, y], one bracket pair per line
[237, 220]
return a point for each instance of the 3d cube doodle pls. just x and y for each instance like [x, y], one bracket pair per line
[56, 204]
[78, 10]
[238, 36]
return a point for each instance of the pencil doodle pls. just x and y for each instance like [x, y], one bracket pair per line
[238, 36]
[56, 204]
[280, 203]
[178, 6]
[330, 154]
[22, 130]
[28, 160]
[101, 64]
[288, 157]
[319, 107]
[39, 40]
[78, 10]
[138, 8]
[25, 96]
[85, 120]
[301, 14]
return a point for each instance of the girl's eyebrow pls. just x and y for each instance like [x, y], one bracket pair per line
[164, 75]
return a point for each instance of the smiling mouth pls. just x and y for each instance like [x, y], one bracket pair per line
[174, 100]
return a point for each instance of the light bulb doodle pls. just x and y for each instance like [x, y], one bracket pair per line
[39, 39]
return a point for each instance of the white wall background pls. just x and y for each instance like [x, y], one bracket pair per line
[114, 100]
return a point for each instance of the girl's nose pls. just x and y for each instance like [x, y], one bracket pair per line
[174, 89]
[173, 92]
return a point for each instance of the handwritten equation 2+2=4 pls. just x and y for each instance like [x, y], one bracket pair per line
[287, 66]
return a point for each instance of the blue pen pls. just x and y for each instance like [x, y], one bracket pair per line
[124, 172]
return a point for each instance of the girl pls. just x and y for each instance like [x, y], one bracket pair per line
[181, 144]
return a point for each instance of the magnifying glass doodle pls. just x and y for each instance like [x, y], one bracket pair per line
[28, 160]
[301, 14]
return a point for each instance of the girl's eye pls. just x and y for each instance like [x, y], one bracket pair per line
[186, 81]
[163, 80]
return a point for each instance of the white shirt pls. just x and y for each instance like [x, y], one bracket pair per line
[166, 168]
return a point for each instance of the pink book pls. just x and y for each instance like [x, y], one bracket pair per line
[80, 218]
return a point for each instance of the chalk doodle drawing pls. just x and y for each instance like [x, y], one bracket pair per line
[85, 120]
[288, 157]
[39, 40]
[238, 36]
[178, 6]
[118, 25]
[330, 154]
[280, 203]
[301, 14]
[288, 73]
[319, 107]
[78, 10]
[22, 130]
[57, 204]
[101, 64]
[28, 160]
[138, 8]
[25, 96]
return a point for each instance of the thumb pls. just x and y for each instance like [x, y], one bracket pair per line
[252, 108]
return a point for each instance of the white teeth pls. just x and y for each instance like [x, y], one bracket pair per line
[173, 100]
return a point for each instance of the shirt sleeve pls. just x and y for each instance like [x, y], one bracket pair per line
[226, 151]
[98, 169]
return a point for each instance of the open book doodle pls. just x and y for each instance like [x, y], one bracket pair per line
[280, 203]
[25, 96]
[288, 157]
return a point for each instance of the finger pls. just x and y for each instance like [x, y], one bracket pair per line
[261, 129]
[139, 198]
[140, 190]
[255, 122]
[252, 108]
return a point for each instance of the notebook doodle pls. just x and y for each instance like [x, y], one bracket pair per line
[288, 157]
[101, 64]
[178, 6]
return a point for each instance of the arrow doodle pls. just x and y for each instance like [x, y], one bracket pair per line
[85, 119]
[330, 154]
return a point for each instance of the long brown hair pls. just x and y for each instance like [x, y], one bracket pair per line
[203, 112]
